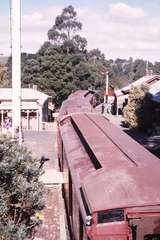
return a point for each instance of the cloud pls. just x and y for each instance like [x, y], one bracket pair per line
[4, 35]
[122, 10]
[123, 31]
[119, 30]
[34, 28]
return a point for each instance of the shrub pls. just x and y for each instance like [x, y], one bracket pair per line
[21, 193]
[138, 112]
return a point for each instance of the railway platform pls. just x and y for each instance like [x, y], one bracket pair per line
[43, 143]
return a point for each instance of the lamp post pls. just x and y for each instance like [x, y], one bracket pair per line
[16, 67]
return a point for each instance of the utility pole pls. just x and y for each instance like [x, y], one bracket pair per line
[16, 67]
[147, 68]
[106, 89]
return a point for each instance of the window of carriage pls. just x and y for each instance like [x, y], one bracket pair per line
[113, 215]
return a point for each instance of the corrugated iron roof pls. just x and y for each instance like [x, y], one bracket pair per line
[27, 94]
[140, 82]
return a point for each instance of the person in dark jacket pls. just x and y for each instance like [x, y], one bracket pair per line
[102, 108]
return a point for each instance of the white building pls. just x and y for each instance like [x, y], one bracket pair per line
[36, 108]
[150, 81]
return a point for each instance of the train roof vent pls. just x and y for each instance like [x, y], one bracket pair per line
[91, 154]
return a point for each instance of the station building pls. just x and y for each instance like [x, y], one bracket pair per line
[36, 108]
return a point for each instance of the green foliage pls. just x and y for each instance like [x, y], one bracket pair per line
[135, 98]
[21, 193]
[138, 112]
[3, 76]
[156, 68]
[28, 62]
[139, 69]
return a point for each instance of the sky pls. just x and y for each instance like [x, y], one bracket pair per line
[120, 29]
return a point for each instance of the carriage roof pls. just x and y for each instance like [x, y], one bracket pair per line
[112, 169]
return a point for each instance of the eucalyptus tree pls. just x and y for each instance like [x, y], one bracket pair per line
[65, 31]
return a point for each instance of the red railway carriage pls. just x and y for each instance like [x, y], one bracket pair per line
[112, 189]
[79, 101]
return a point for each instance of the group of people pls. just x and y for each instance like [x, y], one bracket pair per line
[7, 124]
[106, 107]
